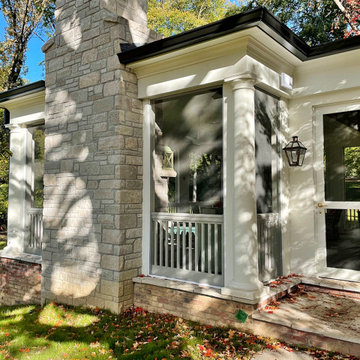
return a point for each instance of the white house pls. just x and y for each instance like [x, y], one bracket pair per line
[166, 159]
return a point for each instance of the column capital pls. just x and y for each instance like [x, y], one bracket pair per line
[242, 81]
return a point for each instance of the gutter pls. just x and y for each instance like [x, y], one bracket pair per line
[259, 17]
[22, 90]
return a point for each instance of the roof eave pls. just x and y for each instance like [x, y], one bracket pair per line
[260, 18]
[22, 91]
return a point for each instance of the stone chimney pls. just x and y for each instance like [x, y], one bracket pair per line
[93, 170]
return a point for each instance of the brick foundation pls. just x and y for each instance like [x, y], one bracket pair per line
[20, 282]
[192, 306]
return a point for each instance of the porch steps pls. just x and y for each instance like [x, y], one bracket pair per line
[321, 315]
[327, 318]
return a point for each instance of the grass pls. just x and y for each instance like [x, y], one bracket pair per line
[3, 238]
[59, 332]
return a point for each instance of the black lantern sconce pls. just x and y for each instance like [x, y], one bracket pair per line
[295, 152]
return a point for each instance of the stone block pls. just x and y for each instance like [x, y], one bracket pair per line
[66, 165]
[89, 56]
[112, 236]
[133, 233]
[90, 79]
[130, 196]
[111, 88]
[126, 172]
[131, 143]
[124, 130]
[133, 264]
[123, 249]
[103, 194]
[109, 184]
[110, 288]
[128, 221]
[112, 262]
[89, 168]
[111, 143]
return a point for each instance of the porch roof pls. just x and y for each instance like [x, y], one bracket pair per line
[260, 18]
[24, 103]
[22, 90]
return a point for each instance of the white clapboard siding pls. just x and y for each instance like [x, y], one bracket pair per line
[188, 247]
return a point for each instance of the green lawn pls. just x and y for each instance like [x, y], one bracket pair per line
[59, 332]
[3, 237]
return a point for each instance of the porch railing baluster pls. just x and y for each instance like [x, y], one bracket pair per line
[184, 246]
[156, 243]
[202, 247]
[172, 244]
[209, 246]
[193, 245]
[216, 250]
[196, 247]
[35, 228]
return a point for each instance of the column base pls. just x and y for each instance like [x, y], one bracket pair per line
[244, 291]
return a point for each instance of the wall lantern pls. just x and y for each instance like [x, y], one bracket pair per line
[295, 152]
[168, 163]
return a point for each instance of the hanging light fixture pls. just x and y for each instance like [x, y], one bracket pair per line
[295, 152]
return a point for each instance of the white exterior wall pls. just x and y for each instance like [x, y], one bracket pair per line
[320, 83]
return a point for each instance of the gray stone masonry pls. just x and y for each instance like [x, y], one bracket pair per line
[93, 169]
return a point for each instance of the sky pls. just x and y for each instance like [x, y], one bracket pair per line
[34, 56]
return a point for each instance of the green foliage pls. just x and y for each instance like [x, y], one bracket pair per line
[314, 21]
[4, 170]
[38, 166]
[23, 18]
[352, 162]
[170, 17]
[4, 189]
[48, 19]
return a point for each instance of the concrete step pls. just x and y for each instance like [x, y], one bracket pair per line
[313, 317]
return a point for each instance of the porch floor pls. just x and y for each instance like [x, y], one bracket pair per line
[315, 315]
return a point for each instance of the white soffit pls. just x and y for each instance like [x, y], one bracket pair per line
[26, 108]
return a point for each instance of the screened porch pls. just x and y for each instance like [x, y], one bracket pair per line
[187, 211]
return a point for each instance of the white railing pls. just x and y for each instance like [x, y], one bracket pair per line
[351, 219]
[188, 247]
[36, 228]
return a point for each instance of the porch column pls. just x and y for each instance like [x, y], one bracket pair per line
[241, 251]
[20, 180]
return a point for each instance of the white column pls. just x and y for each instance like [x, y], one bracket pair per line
[20, 177]
[147, 153]
[241, 249]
